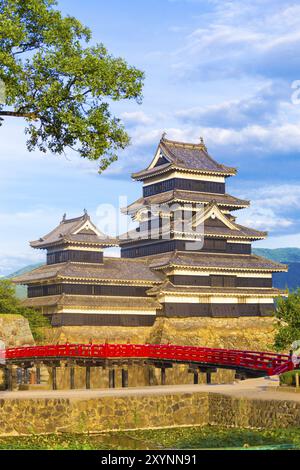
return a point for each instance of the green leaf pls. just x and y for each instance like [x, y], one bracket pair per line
[61, 85]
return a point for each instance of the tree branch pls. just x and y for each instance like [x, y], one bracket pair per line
[18, 114]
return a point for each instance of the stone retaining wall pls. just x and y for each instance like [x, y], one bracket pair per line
[40, 416]
[103, 414]
[15, 331]
[256, 333]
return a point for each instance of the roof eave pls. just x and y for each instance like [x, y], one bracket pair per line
[143, 175]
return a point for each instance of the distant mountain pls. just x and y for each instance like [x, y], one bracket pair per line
[282, 255]
[28, 268]
[289, 256]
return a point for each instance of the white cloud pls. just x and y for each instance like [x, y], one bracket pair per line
[283, 197]
[263, 218]
[284, 241]
[17, 229]
[12, 263]
[243, 38]
[283, 137]
[261, 108]
[136, 117]
[272, 207]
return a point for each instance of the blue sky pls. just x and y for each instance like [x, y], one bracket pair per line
[219, 69]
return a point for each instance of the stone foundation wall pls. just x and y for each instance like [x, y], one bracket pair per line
[232, 333]
[249, 413]
[102, 414]
[15, 331]
[41, 416]
[253, 333]
[97, 334]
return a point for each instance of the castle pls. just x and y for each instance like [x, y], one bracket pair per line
[188, 257]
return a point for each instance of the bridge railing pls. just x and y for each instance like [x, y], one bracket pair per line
[261, 361]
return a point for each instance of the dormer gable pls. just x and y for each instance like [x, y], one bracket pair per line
[87, 227]
[212, 212]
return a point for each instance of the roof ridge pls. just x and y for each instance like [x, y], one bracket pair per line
[200, 146]
[73, 219]
[183, 144]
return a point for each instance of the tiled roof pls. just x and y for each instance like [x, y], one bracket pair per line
[113, 269]
[176, 195]
[186, 156]
[242, 232]
[218, 261]
[208, 231]
[73, 230]
[168, 287]
[97, 302]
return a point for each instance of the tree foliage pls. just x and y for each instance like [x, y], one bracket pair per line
[10, 304]
[288, 314]
[60, 84]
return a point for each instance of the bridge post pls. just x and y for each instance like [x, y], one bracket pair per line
[8, 378]
[163, 375]
[88, 377]
[72, 377]
[38, 374]
[196, 377]
[25, 376]
[32, 377]
[54, 380]
[112, 378]
[150, 376]
[124, 378]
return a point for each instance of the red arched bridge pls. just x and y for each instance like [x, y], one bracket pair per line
[246, 364]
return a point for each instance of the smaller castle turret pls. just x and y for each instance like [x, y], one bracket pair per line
[77, 240]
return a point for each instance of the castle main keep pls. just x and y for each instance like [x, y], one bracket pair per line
[188, 256]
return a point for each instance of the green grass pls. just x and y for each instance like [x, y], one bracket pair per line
[208, 437]
[289, 378]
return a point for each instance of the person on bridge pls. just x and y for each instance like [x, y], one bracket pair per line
[296, 353]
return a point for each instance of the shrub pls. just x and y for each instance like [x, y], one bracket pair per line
[10, 304]
[289, 378]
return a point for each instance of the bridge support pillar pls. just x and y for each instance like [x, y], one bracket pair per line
[25, 374]
[32, 377]
[38, 375]
[88, 377]
[8, 379]
[54, 379]
[196, 377]
[124, 378]
[163, 376]
[112, 378]
[72, 377]
[151, 375]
